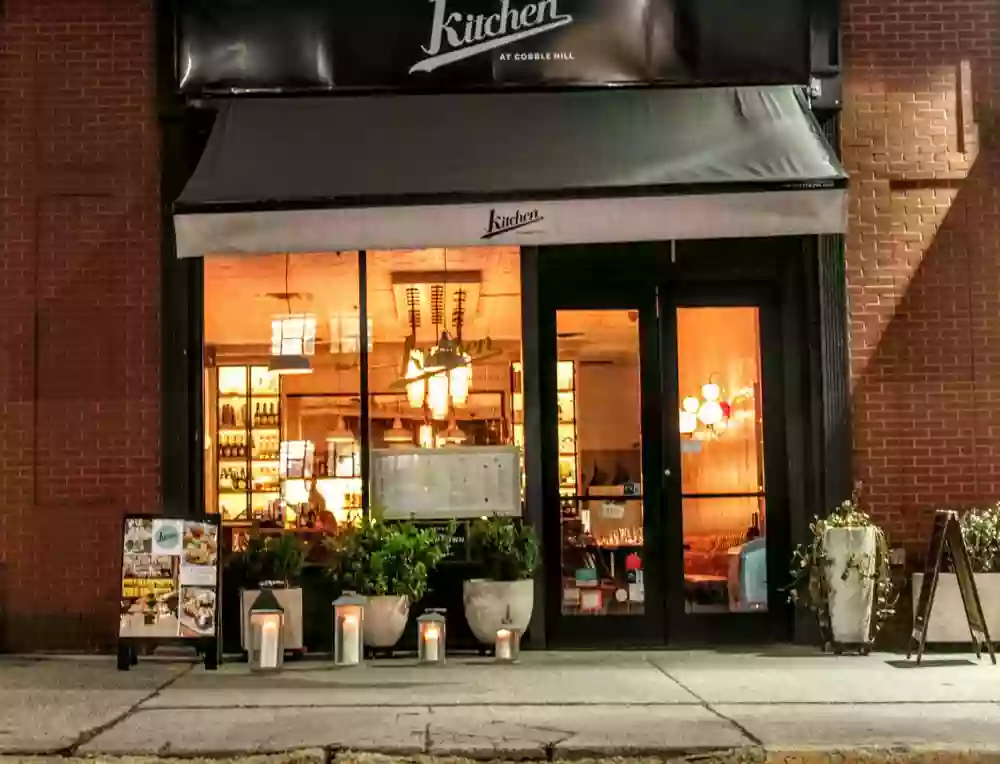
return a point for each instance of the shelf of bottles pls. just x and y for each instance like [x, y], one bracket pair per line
[566, 398]
[248, 440]
[314, 481]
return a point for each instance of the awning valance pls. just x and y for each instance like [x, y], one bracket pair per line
[324, 174]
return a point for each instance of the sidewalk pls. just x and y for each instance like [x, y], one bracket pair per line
[551, 705]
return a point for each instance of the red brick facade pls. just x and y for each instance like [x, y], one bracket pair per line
[923, 254]
[79, 268]
[79, 320]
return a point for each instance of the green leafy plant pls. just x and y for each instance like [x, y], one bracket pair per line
[505, 548]
[269, 560]
[377, 558]
[981, 533]
[810, 565]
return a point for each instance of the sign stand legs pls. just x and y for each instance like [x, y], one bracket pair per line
[947, 532]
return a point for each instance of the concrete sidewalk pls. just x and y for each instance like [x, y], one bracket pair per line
[551, 705]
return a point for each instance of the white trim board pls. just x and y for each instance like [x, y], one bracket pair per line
[527, 223]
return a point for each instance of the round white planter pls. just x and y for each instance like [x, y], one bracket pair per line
[385, 620]
[492, 604]
[851, 599]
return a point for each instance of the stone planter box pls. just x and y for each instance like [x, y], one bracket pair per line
[947, 622]
[290, 600]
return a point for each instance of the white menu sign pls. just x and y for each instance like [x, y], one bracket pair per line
[445, 483]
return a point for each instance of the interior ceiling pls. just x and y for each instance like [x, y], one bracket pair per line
[242, 293]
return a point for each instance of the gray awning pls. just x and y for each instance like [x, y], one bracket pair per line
[321, 174]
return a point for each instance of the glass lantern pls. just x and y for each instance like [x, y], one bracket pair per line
[507, 647]
[348, 629]
[267, 620]
[431, 638]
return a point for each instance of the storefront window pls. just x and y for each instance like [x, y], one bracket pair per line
[283, 392]
[722, 460]
[600, 462]
[443, 378]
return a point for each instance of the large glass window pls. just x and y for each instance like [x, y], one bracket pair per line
[722, 459]
[283, 382]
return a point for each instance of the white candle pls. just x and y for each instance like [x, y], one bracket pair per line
[349, 643]
[431, 644]
[503, 645]
[269, 645]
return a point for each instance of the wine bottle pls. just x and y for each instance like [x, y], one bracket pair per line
[256, 415]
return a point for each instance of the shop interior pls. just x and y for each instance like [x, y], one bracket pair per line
[283, 408]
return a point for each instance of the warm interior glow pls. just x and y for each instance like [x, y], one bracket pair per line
[691, 404]
[437, 395]
[426, 436]
[710, 392]
[431, 633]
[688, 422]
[341, 436]
[460, 382]
[710, 412]
[398, 433]
[415, 391]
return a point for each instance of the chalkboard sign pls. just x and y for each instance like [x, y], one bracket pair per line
[169, 584]
[948, 533]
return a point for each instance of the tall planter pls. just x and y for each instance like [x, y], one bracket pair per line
[489, 605]
[850, 581]
[385, 620]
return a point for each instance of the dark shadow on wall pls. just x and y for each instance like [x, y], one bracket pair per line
[925, 437]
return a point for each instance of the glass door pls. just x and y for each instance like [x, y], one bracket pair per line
[724, 509]
[601, 387]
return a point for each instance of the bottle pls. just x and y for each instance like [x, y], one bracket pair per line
[256, 416]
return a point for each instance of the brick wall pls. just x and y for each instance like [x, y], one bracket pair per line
[923, 255]
[79, 324]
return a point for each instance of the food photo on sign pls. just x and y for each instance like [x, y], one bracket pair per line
[149, 596]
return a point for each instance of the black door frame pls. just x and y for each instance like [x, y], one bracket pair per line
[627, 629]
[784, 270]
[726, 628]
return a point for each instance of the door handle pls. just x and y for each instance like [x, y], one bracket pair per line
[667, 473]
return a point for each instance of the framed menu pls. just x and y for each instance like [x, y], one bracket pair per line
[447, 483]
[170, 580]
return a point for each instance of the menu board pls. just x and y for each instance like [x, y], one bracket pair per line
[170, 574]
[446, 483]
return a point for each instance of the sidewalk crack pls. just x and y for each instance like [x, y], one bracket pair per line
[707, 706]
[88, 735]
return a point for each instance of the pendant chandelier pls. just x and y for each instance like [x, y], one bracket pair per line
[454, 435]
[293, 338]
[341, 435]
[708, 411]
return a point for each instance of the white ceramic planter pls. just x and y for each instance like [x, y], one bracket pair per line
[491, 604]
[290, 600]
[947, 623]
[385, 620]
[851, 599]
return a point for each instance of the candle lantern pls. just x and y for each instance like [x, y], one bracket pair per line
[348, 631]
[267, 619]
[507, 647]
[431, 638]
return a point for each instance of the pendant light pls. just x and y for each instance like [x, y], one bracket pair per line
[454, 435]
[341, 436]
[437, 395]
[415, 391]
[398, 435]
[293, 338]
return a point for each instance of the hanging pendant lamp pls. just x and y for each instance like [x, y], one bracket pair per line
[341, 436]
[398, 434]
[454, 435]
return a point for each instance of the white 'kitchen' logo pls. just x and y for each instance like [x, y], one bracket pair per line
[456, 37]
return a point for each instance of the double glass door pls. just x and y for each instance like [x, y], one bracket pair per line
[663, 495]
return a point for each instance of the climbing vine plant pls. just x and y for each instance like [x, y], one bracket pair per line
[810, 564]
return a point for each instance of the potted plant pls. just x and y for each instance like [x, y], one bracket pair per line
[271, 561]
[842, 575]
[389, 563]
[507, 552]
[981, 533]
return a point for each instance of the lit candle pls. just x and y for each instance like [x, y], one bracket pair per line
[269, 644]
[349, 644]
[503, 645]
[431, 644]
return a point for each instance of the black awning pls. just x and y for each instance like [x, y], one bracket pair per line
[314, 174]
